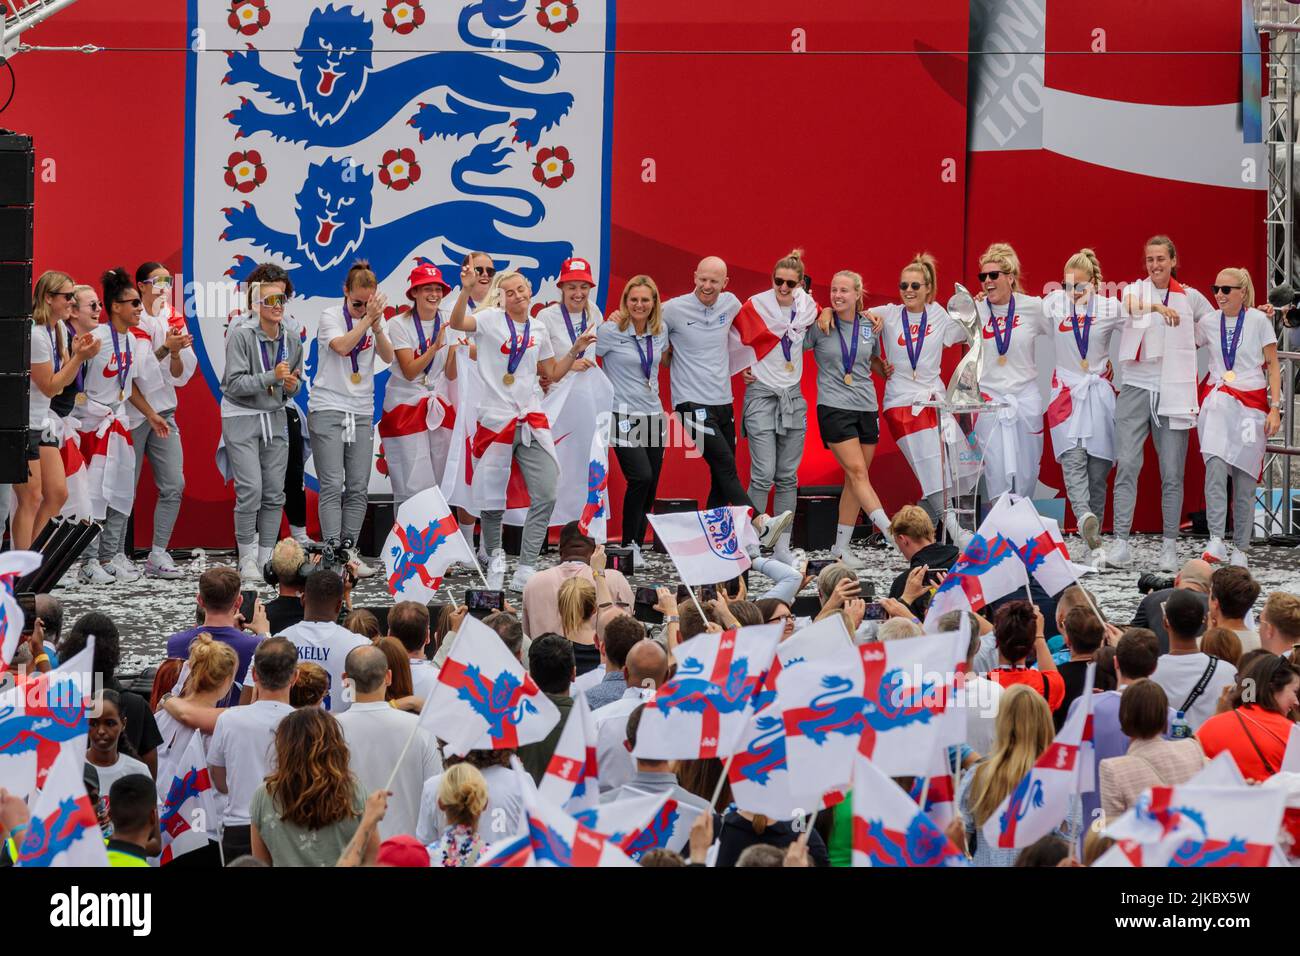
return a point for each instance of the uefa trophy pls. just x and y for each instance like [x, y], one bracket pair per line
[964, 390]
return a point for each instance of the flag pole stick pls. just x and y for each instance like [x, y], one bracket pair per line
[717, 791]
[925, 794]
[691, 591]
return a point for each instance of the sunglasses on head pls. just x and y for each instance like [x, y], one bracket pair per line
[904, 286]
[488, 271]
[990, 276]
[1225, 289]
[133, 303]
[275, 300]
[787, 283]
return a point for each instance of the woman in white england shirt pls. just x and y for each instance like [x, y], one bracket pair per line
[1239, 410]
[567, 319]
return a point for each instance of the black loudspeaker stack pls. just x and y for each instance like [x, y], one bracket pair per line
[17, 195]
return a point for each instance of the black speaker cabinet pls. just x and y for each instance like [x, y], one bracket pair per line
[15, 289]
[15, 398]
[13, 455]
[15, 347]
[17, 173]
[15, 233]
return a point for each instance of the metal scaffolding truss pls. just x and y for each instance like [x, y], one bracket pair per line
[22, 15]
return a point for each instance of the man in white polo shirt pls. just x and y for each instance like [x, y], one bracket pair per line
[320, 639]
[242, 748]
[699, 327]
[645, 670]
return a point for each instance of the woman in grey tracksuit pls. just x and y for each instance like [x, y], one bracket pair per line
[263, 373]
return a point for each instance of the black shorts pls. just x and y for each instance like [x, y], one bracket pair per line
[35, 442]
[839, 424]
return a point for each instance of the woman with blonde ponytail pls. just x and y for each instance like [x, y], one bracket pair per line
[913, 336]
[775, 416]
[1239, 412]
[1012, 436]
[462, 798]
[1082, 411]
[577, 605]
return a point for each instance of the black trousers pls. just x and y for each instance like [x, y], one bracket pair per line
[295, 497]
[236, 842]
[641, 463]
[719, 450]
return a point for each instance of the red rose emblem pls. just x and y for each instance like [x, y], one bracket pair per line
[557, 15]
[552, 167]
[244, 171]
[403, 16]
[398, 169]
[248, 16]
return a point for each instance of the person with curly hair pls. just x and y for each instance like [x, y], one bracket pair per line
[308, 808]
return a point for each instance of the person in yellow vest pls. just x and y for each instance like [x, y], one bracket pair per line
[133, 808]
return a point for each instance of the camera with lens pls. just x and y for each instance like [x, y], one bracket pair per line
[1286, 302]
[317, 556]
[1149, 581]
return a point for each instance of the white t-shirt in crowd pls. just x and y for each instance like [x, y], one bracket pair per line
[243, 742]
[1256, 335]
[1021, 368]
[332, 388]
[376, 734]
[499, 819]
[327, 644]
[124, 767]
[424, 674]
[1178, 674]
[502, 403]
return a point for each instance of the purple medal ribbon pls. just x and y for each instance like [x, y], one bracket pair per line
[1003, 342]
[54, 349]
[786, 344]
[267, 364]
[848, 355]
[914, 354]
[647, 357]
[1081, 341]
[1230, 349]
[568, 324]
[419, 331]
[356, 349]
[81, 371]
[123, 360]
[518, 345]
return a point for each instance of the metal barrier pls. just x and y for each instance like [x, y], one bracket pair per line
[1279, 451]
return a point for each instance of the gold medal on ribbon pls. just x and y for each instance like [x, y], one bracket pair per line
[848, 378]
[1083, 364]
[120, 395]
[356, 378]
[789, 366]
[1229, 376]
[81, 398]
[1002, 360]
[508, 378]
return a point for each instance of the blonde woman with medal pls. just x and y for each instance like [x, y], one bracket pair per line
[513, 351]
[57, 361]
[631, 346]
[775, 415]
[844, 344]
[1158, 372]
[263, 372]
[341, 407]
[112, 383]
[1081, 413]
[415, 428]
[913, 335]
[1240, 410]
[1011, 437]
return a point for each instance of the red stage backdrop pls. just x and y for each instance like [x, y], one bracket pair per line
[840, 127]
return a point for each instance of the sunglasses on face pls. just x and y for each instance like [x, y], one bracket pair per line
[1225, 289]
[990, 276]
[67, 296]
[133, 303]
[904, 286]
[275, 300]
[786, 283]
[160, 282]
[95, 305]
[488, 271]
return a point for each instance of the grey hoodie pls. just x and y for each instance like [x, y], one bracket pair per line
[245, 383]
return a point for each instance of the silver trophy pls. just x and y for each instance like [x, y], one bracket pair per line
[964, 389]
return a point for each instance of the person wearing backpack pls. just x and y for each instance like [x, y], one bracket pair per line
[1191, 679]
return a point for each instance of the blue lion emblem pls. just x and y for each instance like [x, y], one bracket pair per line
[1027, 796]
[337, 97]
[922, 844]
[765, 754]
[839, 711]
[720, 531]
[333, 210]
[26, 732]
[49, 837]
[690, 692]
[192, 784]
[1201, 853]
[1036, 551]
[653, 836]
[981, 555]
[548, 845]
[417, 547]
[499, 702]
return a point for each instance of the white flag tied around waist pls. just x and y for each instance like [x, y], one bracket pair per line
[707, 546]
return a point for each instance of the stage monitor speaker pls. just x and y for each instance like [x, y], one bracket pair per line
[664, 506]
[13, 455]
[375, 527]
[15, 233]
[15, 397]
[15, 347]
[15, 289]
[17, 170]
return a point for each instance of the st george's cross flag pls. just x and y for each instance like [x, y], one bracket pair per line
[1191, 826]
[13, 565]
[762, 324]
[894, 703]
[483, 698]
[760, 777]
[1043, 797]
[63, 830]
[424, 542]
[701, 712]
[826, 641]
[707, 546]
[187, 802]
[572, 778]
[889, 829]
[1041, 546]
[990, 567]
[42, 717]
[940, 797]
[639, 824]
[551, 837]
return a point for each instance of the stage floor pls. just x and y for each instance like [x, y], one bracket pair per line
[148, 610]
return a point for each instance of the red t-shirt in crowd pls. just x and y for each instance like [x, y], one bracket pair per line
[1268, 730]
[1048, 683]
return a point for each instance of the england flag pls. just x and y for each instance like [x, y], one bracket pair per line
[572, 778]
[707, 546]
[43, 717]
[889, 829]
[760, 777]
[187, 802]
[63, 830]
[424, 542]
[989, 568]
[638, 825]
[13, 565]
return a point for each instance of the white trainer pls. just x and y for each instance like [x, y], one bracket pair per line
[159, 564]
[1237, 558]
[638, 562]
[250, 572]
[1090, 531]
[496, 572]
[362, 570]
[1169, 555]
[848, 558]
[1216, 552]
[92, 572]
[521, 576]
[124, 569]
[1119, 554]
[774, 527]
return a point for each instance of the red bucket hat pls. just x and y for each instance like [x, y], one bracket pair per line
[576, 270]
[425, 274]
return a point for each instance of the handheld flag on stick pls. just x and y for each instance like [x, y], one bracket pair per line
[572, 778]
[889, 829]
[424, 542]
[63, 830]
[42, 717]
[13, 565]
